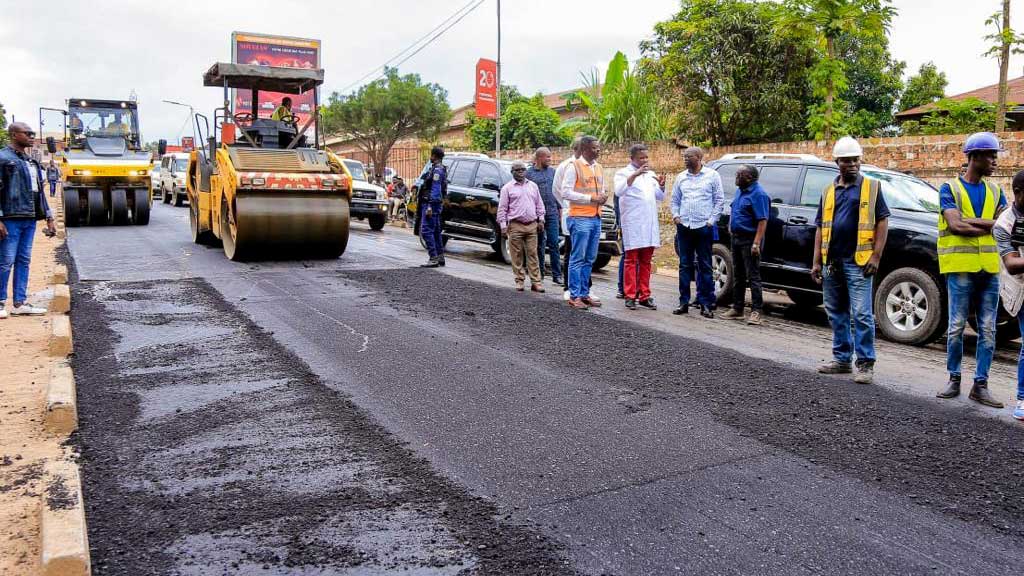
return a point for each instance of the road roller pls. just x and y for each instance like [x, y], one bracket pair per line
[266, 189]
[105, 170]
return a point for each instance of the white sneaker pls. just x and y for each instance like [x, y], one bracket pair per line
[3, 314]
[27, 310]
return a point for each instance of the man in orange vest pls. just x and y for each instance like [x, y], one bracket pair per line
[582, 186]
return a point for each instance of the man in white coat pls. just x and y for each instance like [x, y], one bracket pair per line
[639, 190]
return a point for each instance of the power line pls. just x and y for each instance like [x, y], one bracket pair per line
[447, 24]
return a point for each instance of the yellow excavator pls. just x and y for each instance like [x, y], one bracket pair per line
[105, 168]
[264, 188]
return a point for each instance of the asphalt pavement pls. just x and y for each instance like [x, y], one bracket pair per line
[362, 416]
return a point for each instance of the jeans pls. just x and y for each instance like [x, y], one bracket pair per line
[547, 240]
[980, 291]
[586, 235]
[745, 267]
[848, 294]
[53, 187]
[16, 253]
[1020, 359]
[691, 244]
[430, 229]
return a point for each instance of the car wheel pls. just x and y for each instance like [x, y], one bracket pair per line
[721, 272]
[908, 306]
[164, 196]
[500, 246]
[601, 261]
[804, 299]
[377, 222]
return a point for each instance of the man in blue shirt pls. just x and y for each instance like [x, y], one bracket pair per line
[432, 194]
[543, 175]
[697, 204]
[748, 219]
[22, 201]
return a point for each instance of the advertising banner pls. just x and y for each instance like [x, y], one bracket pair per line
[279, 51]
[486, 88]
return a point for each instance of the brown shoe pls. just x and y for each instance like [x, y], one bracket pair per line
[591, 301]
[578, 304]
[732, 314]
[538, 287]
[755, 318]
[519, 286]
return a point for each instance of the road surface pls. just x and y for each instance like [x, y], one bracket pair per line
[364, 416]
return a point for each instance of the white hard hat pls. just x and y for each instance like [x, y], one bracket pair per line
[846, 147]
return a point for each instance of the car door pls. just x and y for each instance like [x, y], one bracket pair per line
[483, 209]
[798, 241]
[460, 180]
[780, 183]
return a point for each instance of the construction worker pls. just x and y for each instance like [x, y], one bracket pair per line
[1009, 235]
[283, 113]
[969, 258]
[852, 226]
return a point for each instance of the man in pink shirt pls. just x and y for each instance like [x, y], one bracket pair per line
[520, 212]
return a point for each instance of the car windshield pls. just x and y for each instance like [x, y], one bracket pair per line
[906, 192]
[181, 164]
[357, 170]
[102, 121]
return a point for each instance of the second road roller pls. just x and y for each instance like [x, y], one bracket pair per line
[264, 187]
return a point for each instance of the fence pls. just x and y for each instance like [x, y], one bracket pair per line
[407, 159]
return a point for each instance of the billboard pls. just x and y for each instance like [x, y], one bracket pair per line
[279, 51]
[486, 88]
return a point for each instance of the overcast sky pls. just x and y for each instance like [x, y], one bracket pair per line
[107, 48]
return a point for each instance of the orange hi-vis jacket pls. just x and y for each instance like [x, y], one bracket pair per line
[590, 181]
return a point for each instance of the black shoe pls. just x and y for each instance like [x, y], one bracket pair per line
[979, 393]
[630, 303]
[952, 390]
[620, 295]
[707, 312]
[649, 304]
[440, 261]
[683, 309]
[557, 281]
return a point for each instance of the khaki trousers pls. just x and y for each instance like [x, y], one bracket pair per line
[522, 242]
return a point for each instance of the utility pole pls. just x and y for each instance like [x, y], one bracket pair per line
[497, 109]
[1004, 65]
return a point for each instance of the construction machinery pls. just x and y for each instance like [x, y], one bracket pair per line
[264, 188]
[105, 169]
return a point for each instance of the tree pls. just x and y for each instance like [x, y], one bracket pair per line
[622, 107]
[925, 87]
[1006, 42]
[525, 123]
[729, 74]
[3, 126]
[874, 83]
[385, 111]
[955, 117]
[827, 21]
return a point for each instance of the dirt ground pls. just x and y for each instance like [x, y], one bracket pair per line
[24, 445]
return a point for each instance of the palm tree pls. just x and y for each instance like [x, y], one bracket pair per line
[826, 21]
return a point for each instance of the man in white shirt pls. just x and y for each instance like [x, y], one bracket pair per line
[639, 191]
[556, 189]
[697, 203]
[582, 186]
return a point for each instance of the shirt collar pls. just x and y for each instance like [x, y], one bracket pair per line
[754, 186]
[856, 183]
[703, 170]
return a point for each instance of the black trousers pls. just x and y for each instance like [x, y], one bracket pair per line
[745, 268]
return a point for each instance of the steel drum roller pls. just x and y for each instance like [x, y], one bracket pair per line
[301, 224]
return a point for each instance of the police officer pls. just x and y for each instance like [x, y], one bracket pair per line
[432, 193]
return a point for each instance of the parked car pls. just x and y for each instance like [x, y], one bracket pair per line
[173, 168]
[154, 177]
[471, 211]
[910, 294]
[369, 201]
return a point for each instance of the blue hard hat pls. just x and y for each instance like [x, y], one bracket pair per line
[982, 142]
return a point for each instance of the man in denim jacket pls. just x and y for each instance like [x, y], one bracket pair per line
[21, 191]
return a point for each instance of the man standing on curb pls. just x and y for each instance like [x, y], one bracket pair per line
[1009, 235]
[556, 190]
[748, 219]
[52, 176]
[432, 193]
[543, 175]
[969, 258]
[583, 187]
[697, 203]
[520, 216]
[639, 191]
[853, 224]
[22, 202]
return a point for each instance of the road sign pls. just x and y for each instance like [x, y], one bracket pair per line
[486, 88]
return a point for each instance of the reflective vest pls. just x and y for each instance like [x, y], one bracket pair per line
[589, 181]
[865, 222]
[968, 253]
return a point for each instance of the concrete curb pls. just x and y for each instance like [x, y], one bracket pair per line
[64, 541]
[60, 274]
[60, 336]
[61, 416]
[61, 301]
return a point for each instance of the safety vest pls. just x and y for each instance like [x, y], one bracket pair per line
[866, 222]
[589, 181]
[968, 253]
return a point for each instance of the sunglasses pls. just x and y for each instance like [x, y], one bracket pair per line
[30, 134]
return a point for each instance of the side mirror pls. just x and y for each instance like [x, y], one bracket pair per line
[776, 200]
[491, 186]
[161, 147]
[51, 145]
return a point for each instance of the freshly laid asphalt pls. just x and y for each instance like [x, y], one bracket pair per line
[362, 416]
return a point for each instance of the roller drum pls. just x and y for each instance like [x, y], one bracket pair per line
[293, 225]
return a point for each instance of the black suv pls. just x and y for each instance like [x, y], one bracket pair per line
[471, 211]
[910, 294]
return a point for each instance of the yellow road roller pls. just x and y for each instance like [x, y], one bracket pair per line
[265, 188]
[105, 168]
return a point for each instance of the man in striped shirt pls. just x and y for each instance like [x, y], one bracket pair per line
[697, 203]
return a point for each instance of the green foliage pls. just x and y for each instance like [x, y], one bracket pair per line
[1002, 37]
[874, 82]
[925, 87]
[385, 111]
[955, 117]
[525, 123]
[620, 108]
[3, 126]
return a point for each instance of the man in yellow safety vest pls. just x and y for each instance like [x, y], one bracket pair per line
[969, 258]
[853, 224]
